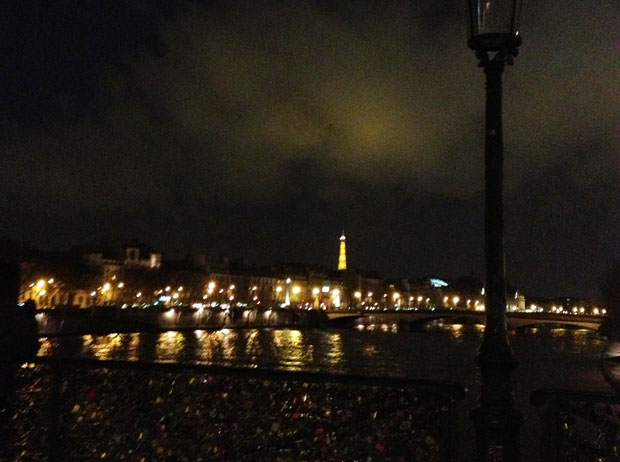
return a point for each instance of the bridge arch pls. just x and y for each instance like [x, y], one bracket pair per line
[515, 321]
[553, 325]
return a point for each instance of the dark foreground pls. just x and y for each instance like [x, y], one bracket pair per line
[87, 411]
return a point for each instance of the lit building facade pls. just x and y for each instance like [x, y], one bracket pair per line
[134, 276]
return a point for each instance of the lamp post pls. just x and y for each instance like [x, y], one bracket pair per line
[494, 29]
[287, 293]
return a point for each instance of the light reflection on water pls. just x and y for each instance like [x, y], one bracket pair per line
[170, 345]
[548, 356]
[104, 347]
[291, 351]
[134, 346]
[335, 354]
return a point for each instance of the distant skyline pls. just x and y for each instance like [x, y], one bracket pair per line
[260, 130]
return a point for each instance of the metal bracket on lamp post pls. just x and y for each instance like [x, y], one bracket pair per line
[497, 422]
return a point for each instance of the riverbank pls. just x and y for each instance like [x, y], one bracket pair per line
[109, 319]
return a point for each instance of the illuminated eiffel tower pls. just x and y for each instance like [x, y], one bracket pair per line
[342, 258]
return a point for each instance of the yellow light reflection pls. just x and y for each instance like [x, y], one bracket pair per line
[225, 340]
[204, 352]
[290, 349]
[456, 330]
[103, 347]
[252, 346]
[87, 340]
[295, 336]
[45, 347]
[370, 350]
[169, 346]
[335, 354]
[134, 347]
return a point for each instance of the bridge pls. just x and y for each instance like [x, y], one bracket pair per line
[515, 320]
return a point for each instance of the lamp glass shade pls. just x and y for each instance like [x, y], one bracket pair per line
[494, 24]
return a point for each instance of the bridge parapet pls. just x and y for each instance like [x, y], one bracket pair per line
[516, 320]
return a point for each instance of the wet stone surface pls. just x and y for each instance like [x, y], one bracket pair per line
[129, 415]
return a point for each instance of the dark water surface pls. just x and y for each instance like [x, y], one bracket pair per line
[548, 358]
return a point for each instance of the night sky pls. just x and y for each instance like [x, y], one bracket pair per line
[262, 129]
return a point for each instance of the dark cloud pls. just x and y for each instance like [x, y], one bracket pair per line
[55, 54]
[261, 129]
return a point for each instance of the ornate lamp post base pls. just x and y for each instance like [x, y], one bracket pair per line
[497, 422]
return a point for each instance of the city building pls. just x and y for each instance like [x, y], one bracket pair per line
[131, 274]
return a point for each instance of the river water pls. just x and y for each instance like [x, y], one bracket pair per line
[559, 358]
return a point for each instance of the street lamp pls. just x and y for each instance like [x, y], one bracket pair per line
[494, 25]
[358, 299]
[287, 294]
[495, 29]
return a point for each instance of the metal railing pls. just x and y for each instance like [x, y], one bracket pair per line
[83, 410]
[579, 426]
